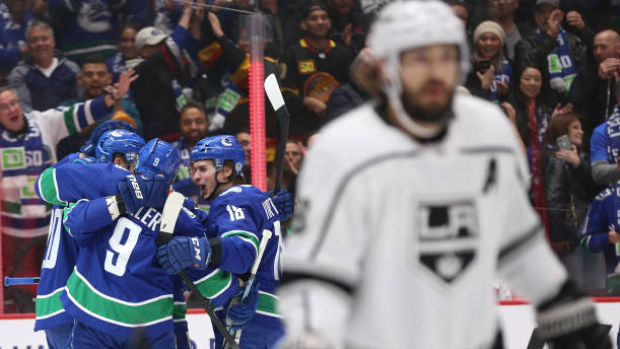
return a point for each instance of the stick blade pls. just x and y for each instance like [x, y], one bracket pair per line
[273, 92]
[170, 214]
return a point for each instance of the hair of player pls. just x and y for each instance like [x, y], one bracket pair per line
[38, 25]
[234, 178]
[119, 155]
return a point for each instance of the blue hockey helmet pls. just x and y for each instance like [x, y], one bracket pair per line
[118, 141]
[158, 158]
[219, 149]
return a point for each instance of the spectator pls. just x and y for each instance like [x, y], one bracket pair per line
[87, 27]
[533, 113]
[292, 164]
[46, 75]
[605, 148]
[228, 67]
[562, 54]
[127, 57]
[352, 94]
[349, 24]
[491, 75]
[94, 79]
[461, 10]
[28, 148]
[194, 126]
[593, 89]
[245, 140]
[569, 189]
[311, 70]
[503, 12]
[167, 62]
[14, 19]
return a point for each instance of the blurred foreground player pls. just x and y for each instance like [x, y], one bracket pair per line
[424, 205]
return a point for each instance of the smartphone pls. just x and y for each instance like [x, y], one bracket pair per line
[564, 143]
[483, 65]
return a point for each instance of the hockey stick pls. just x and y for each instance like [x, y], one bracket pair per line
[172, 208]
[9, 281]
[277, 101]
[261, 251]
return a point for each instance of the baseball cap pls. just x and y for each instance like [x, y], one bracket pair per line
[313, 6]
[149, 36]
[555, 3]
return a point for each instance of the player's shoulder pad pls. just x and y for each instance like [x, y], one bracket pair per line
[240, 195]
[481, 122]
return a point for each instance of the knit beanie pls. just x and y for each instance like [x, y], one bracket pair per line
[490, 27]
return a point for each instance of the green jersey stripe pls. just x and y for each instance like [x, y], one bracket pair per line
[214, 284]
[244, 234]
[48, 187]
[267, 303]
[179, 311]
[117, 311]
[69, 121]
[48, 304]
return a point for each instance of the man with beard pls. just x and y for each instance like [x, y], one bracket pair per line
[193, 126]
[411, 208]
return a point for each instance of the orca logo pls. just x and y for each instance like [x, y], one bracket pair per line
[447, 238]
[226, 142]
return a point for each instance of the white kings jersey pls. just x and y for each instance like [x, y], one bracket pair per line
[397, 243]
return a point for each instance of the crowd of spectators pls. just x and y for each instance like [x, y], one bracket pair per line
[552, 66]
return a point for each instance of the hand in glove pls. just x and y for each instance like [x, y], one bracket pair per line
[239, 313]
[184, 252]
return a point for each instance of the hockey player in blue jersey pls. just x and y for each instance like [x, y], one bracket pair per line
[238, 216]
[119, 147]
[116, 286]
[601, 230]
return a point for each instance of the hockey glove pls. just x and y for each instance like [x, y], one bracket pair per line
[284, 202]
[89, 147]
[137, 191]
[239, 313]
[184, 252]
[568, 321]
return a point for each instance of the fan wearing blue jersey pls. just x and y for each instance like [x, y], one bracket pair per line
[116, 287]
[238, 216]
[119, 147]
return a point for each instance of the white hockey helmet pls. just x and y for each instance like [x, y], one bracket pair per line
[404, 25]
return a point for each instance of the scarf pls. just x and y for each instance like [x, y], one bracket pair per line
[562, 68]
[536, 128]
[613, 133]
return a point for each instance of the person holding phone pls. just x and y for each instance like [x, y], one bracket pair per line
[492, 72]
[569, 189]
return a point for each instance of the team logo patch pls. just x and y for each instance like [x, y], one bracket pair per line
[306, 66]
[447, 238]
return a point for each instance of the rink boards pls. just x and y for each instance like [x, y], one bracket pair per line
[517, 322]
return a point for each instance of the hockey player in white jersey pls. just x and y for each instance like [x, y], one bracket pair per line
[411, 208]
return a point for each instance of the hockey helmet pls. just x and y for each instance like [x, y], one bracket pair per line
[118, 141]
[219, 149]
[158, 159]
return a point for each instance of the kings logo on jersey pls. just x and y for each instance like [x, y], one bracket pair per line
[447, 238]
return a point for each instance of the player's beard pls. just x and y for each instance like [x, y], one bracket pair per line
[430, 113]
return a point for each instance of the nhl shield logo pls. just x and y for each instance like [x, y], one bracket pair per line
[447, 238]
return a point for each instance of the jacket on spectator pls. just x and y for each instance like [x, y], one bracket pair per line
[12, 37]
[27, 154]
[153, 93]
[532, 51]
[568, 193]
[345, 98]
[28, 80]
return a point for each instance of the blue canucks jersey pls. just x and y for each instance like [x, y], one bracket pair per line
[61, 251]
[603, 217]
[117, 284]
[239, 217]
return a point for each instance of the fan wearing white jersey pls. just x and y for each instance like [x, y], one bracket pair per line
[412, 208]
